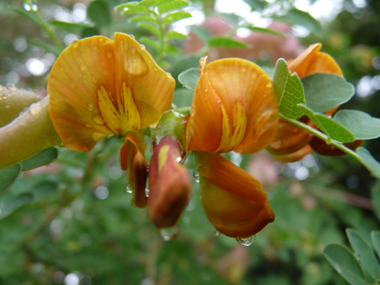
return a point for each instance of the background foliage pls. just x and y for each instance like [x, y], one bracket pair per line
[72, 222]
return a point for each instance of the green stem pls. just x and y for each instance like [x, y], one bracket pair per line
[48, 30]
[320, 135]
[161, 38]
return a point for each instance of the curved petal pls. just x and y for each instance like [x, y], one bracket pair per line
[224, 174]
[73, 89]
[152, 87]
[234, 202]
[234, 108]
[295, 156]
[289, 138]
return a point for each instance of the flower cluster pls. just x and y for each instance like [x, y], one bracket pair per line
[100, 87]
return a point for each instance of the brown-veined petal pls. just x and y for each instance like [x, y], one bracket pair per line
[99, 86]
[169, 184]
[233, 201]
[234, 108]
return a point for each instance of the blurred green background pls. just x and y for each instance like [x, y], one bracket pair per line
[72, 222]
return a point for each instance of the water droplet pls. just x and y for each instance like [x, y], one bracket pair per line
[34, 7]
[88, 125]
[217, 233]
[109, 54]
[11, 87]
[196, 176]
[27, 7]
[90, 107]
[75, 44]
[147, 191]
[35, 109]
[101, 40]
[7, 105]
[168, 74]
[243, 69]
[132, 36]
[169, 233]
[129, 189]
[246, 241]
[179, 159]
[142, 47]
[155, 69]
[97, 136]
[254, 75]
[83, 67]
[1, 87]
[269, 85]
[98, 119]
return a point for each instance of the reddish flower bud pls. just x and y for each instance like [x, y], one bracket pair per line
[169, 184]
[322, 148]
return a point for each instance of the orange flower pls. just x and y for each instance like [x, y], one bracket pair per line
[234, 109]
[99, 87]
[290, 141]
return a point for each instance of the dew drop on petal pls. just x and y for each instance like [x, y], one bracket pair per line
[35, 109]
[246, 241]
[142, 47]
[98, 119]
[90, 107]
[155, 69]
[132, 36]
[75, 45]
[11, 87]
[169, 233]
[196, 176]
[254, 75]
[269, 85]
[109, 54]
[101, 40]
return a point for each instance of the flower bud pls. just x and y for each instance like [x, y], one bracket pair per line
[169, 184]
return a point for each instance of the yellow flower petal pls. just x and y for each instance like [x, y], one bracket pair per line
[100, 87]
[234, 108]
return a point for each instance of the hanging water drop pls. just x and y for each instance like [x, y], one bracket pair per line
[169, 233]
[196, 176]
[129, 189]
[90, 107]
[217, 233]
[27, 7]
[246, 241]
[147, 192]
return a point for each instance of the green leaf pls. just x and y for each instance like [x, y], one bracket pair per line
[99, 13]
[137, 10]
[225, 42]
[8, 176]
[375, 235]
[173, 35]
[183, 97]
[44, 157]
[343, 261]
[175, 16]
[368, 161]
[150, 28]
[232, 18]
[159, 2]
[9, 206]
[147, 3]
[131, 4]
[171, 49]
[29, 15]
[324, 92]
[363, 253]
[330, 127]
[47, 47]
[172, 5]
[201, 33]
[70, 26]
[297, 17]
[288, 89]
[255, 4]
[360, 124]
[143, 19]
[265, 31]
[189, 78]
[149, 41]
[375, 197]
